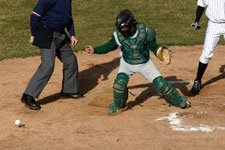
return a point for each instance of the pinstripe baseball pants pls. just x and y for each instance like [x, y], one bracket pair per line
[213, 33]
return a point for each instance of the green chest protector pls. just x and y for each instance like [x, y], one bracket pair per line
[134, 49]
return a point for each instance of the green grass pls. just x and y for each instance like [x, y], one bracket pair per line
[94, 23]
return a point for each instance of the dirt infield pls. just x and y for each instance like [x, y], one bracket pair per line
[67, 124]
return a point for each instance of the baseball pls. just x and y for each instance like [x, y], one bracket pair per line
[18, 122]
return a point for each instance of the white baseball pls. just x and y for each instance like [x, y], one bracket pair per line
[18, 122]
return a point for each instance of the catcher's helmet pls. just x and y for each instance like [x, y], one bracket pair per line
[125, 19]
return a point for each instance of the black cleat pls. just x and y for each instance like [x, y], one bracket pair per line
[71, 95]
[30, 102]
[196, 87]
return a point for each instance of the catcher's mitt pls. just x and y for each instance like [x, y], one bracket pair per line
[196, 25]
[164, 54]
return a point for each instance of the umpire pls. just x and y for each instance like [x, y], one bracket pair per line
[48, 21]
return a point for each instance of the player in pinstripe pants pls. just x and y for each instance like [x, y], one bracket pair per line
[216, 28]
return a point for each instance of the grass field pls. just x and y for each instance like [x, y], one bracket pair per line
[94, 23]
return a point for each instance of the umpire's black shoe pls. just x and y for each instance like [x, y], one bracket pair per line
[71, 95]
[196, 87]
[30, 102]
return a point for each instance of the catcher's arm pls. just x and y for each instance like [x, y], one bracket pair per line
[164, 54]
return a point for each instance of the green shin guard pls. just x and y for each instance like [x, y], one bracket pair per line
[170, 94]
[119, 101]
[175, 99]
[120, 93]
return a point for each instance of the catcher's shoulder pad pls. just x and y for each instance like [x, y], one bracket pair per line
[151, 34]
[140, 25]
[164, 54]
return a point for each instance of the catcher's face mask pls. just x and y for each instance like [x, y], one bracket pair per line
[124, 22]
[124, 27]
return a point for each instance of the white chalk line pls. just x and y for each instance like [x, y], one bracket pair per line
[181, 82]
[176, 124]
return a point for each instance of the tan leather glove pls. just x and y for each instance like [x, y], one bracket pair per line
[164, 54]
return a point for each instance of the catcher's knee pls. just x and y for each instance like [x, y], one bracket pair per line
[121, 81]
[162, 85]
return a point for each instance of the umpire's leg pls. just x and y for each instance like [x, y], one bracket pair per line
[70, 83]
[43, 73]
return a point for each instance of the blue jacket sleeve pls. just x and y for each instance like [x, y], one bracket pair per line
[70, 27]
[33, 24]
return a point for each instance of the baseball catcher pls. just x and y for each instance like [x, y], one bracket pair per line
[135, 41]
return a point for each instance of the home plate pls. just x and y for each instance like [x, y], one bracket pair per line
[176, 124]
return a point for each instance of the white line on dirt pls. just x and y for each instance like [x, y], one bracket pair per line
[180, 82]
[176, 124]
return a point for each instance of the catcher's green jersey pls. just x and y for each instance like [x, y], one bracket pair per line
[135, 50]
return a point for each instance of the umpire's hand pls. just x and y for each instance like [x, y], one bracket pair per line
[89, 49]
[73, 41]
[32, 39]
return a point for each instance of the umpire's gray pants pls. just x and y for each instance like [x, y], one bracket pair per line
[62, 49]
